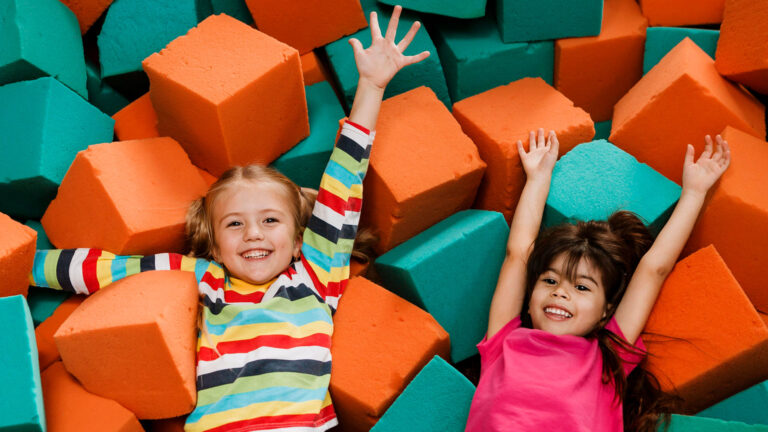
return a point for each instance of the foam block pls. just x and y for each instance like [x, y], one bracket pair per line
[475, 59]
[602, 130]
[450, 270]
[456, 9]
[437, 399]
[530, 20]
[142, 330]
[682, 89]
[380, 342]
[229, 94]
[321, 22]
[596, 179]
[747, 406]
[70, 408]
[101, 94]
[660, 40]
[312, 69]
[138, 120]
[739, 202]
[427, 72]
[742, 53]
[234, 8]
[46, 347]
[21, 396]
[682, 12]
[127, 197]
[497, 118]
[305, 163]
[681, 423]
[42, 131]
[87, 11]
[422, 168]
[17, 252]
[708, 345]
[175, 424]
[595, 72]
[41, 37]
[42, 241]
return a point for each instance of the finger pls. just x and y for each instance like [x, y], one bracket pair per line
[409, 60]
[392, 27]
[726, 160]
[689, 155]
[357, 47]
[375, 29]
[520, 149]
[408, 38]
[542, 139]
[707, 147]
[555, 143]
[719, 149]
[531, 140]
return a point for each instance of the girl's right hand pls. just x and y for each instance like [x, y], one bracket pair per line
[541, 156]
[699, 176]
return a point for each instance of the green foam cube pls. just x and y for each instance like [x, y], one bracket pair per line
[21, 396]
[749, 406]
[455, 8]
[597, 178]
[475, 59]
[101, 94]
[305, 162]
[41, 38]
[427, 72]
[660, 40]
[681, 423]
[234, 8]
[450, 270]
[438, 399]
[42, 132]
[532, 20]
[603, 129]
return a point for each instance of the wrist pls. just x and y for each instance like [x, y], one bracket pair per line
[367, 85]
[696, 194]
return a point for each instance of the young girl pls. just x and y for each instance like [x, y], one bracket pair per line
[260, 258]
[566, 317]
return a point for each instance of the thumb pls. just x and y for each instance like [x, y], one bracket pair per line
[356, 45]
[689, 155]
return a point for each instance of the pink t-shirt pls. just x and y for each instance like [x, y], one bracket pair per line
[531, 380]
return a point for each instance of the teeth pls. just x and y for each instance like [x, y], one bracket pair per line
[557, 311]
[260, 254]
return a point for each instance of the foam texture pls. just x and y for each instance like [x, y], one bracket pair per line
[681, 423]
[530, 20]
[742, 52]
[682, 12]
[747, 406]
[17, 253]
[47, 352]
[660, 40]
[455, 8]
[137, 120]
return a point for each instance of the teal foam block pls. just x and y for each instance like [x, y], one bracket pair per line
[450, 270]
[437, 400]
[749, 406]
[428, 72]
[43, 301]
[43, 130]
[597, 178]
[681, 423]
[532, 20]
[234, 8]
[21, 397]
[475, 59]
[41, 38]
[455, 8]
[42, 237]
[305, 162]
[603, 130]
[101, 94]
[660, 40]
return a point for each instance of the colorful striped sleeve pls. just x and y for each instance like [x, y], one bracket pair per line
[85, 271]
[330, 234]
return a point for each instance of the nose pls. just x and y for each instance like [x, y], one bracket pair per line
[560, 292]
[253, 232]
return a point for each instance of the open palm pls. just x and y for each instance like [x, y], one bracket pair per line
[541, 155]
[702, 174]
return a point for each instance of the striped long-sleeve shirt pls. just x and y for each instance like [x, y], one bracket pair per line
[263, 356]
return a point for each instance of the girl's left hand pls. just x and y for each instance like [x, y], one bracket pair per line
[383, 59]
[701, 175]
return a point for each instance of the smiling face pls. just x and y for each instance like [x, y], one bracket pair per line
[254, 230]
[559, 305]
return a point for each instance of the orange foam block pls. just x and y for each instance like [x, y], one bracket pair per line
[321, 22]
[134, 342]
[87, 11]
[672, 13]
[735, 219]
[70, 408]
[595, 72]
[676, 103]
[705, 340]
[229, 94]
[127, 197]
[312, 69]
[497, 118]
[47, 353]
[137, 120]
[17, 253]
[742, 50]
[380, 343]
[423, 168]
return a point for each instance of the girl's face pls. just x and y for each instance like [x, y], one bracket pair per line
[561, 306]
[254, 232]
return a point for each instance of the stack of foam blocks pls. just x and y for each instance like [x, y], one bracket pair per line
[116, 114]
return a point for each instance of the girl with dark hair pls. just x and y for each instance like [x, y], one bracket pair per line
[563, 343]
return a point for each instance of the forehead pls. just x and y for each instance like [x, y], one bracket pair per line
[247, 196]
[583, 267]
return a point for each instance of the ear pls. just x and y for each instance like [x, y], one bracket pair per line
[607, 308]
[297, 247]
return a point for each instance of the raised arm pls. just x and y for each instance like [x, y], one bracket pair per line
[657, 263]
[538, 164]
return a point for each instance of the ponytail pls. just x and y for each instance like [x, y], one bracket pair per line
[198, 230]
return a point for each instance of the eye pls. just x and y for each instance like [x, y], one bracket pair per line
[583, 288]
[234, 223]
[270, 220]
[549, 281]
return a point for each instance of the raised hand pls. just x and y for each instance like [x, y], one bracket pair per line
[541, 155]
[699, 176]
[378, 63]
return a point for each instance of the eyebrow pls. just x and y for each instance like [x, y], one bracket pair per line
[580, 276]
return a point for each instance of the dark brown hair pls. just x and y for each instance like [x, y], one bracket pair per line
[614, 247]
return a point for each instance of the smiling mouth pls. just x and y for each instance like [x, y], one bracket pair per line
[255, 254]
[557, 314]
